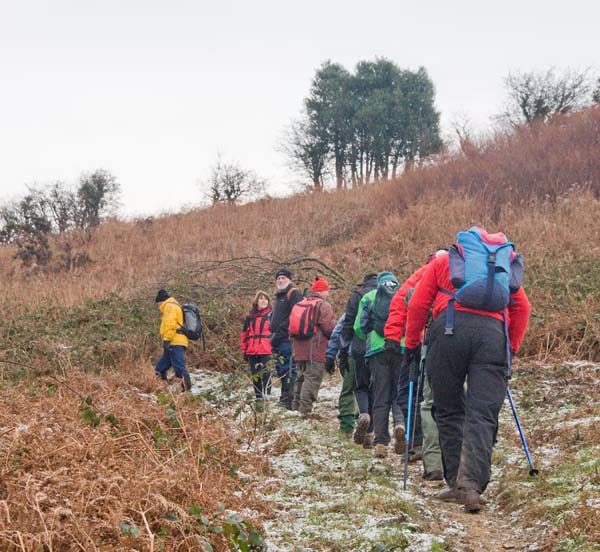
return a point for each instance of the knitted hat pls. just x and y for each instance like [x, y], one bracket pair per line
[283, 272]
[320, 284]
[161, 296]
[383, 277]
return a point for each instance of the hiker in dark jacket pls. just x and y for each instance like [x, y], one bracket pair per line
[285, 298]
[359, 371]
[256, 345]
[384, 365]
[310, 353]
[175, 343]
[472, 348]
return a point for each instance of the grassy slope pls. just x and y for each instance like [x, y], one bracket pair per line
[100, 319]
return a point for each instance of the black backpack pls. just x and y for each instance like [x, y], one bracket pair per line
[192, 322]
[381, 305]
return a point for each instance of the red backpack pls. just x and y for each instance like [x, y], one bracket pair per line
[302, 318]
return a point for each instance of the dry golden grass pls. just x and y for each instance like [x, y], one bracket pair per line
[78, 485]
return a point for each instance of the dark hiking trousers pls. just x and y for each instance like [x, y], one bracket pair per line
[467, 422]
[385, 371]
[285, 365]
[364, 395]
[261, 376]
[402, 399]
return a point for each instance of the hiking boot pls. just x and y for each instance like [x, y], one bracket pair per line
[472, 501]
[452, 494]
[362, 425]
[399, 434]
[415, 454]
[433, 475]
[380, 451]
[368, 441]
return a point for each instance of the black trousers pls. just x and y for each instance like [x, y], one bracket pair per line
[261, 376]
[467, 421]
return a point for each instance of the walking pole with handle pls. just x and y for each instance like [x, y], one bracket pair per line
[532, 471]
[412, 372]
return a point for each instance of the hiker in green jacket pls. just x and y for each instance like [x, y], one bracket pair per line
[384, 365]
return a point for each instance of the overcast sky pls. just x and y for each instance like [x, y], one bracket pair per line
[153, 90]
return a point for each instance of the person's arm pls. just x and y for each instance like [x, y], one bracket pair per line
[326, 319]
[363, 316]
[519, 310]
[396, 321]
[169, 325]
[334, 343]
[421, 301]
[351, 310]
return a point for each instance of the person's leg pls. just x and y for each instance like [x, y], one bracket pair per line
[255, 368]
[383, 395]
[163, 365]
[348, 409]
[178, 361]
[486, 391]
[447, 362]
[301, 368]
[313, 376]
[283, 357]
[432, 455]
[362, 383]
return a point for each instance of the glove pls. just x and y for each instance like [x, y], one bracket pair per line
[166, 347]
[393, 346]
[343, 363]
[330, 365]
[411, 356]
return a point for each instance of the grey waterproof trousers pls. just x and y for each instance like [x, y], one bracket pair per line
[467, 422]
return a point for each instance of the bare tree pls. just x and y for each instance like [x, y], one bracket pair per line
[540, 96]
[230, 183]
[596, 93]
[307, 152]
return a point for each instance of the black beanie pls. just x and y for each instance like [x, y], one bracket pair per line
[161, 296]
[283, 272]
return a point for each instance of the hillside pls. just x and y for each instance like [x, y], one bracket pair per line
[95, 455]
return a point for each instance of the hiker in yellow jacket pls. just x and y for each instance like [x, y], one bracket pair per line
[174, 342]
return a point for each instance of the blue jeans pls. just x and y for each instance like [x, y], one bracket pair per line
[286, 371]
[175, 359]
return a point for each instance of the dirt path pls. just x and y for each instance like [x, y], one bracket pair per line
[330, 494]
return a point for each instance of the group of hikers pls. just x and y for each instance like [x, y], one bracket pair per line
[434, 352]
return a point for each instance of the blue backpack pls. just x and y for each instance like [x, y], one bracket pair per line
[485, 270]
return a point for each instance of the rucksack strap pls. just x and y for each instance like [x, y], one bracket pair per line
[449, 327]
[491, 266]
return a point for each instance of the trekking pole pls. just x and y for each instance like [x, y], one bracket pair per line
[532, 471]
[419, 385]
[412, 369]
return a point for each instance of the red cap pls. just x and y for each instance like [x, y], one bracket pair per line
[320, 284]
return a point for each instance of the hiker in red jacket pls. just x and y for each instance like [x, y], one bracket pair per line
[310, 353]
[424, 429]
[472, 347]
[256, 345]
